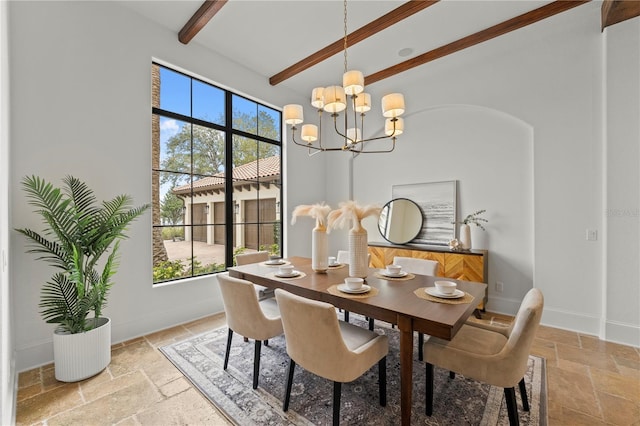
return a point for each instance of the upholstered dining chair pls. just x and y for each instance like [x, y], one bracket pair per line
[253, 319]
[497, 356]
[256, 257]
[326, 347]
[422, 267]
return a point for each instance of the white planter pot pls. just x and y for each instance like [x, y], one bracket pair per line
[82, 355]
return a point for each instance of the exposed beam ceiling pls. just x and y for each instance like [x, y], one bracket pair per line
[398, 14]
[199, 19]
[614, 11]
[477, 38]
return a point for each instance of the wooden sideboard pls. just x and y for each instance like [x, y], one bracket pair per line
[468, 265]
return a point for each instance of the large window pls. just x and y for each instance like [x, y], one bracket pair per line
[202, 215]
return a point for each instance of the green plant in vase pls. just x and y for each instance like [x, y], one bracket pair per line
[78, 234]
[464, 241]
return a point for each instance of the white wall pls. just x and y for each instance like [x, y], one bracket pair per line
[518, 121]
[81, 105]
[8, 377]
[622, 210]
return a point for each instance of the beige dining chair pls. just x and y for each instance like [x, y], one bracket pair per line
[253, 319]
[326, 347]
[494, 355]
[256, 257]
[422, 267]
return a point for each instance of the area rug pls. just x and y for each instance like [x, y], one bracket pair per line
[457, 401]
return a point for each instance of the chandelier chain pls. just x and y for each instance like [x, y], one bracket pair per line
[345, 36]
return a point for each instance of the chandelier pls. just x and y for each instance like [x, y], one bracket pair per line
[350, 98]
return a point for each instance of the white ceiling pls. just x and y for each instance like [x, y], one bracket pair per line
[267, 36]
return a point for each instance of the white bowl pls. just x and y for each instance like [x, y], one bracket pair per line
[286, 269]
[394, 269]
[446, 287]
[354, 283]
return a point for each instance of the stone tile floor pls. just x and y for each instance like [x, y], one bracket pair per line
[590, 382]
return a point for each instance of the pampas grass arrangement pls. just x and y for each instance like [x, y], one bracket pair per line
[318, 211]
[351, 214]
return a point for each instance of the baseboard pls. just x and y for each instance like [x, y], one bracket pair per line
[41, 353]
[616, 332]
[502, 305]
[142, 326]
[626, 334]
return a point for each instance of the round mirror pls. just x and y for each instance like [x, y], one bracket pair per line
[400, 221]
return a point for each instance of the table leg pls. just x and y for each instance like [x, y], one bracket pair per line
[406, 368]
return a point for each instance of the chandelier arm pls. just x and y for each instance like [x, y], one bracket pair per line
[378, 151]
[305, 144]
[320, 128]
[344, 147]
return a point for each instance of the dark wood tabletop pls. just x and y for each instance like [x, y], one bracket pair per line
[395, 302]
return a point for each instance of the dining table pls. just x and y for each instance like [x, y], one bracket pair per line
[394, 300]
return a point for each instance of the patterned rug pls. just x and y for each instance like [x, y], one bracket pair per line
[456, 402]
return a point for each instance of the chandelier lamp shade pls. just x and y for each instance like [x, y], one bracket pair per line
[351, 100]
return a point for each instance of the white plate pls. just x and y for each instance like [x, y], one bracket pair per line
[291, 275]
[432, 291]
[400, 275]
[334, 265]
[343, 287]
[275, 262]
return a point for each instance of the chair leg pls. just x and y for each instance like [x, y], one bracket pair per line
[287, 392]
[266, 342]
[382, 380]
[428, 394]
[337, 389]
[512, 406]
[420, 344]
[523, 395]
[256, 363]
[452, 375]
[226, 353]
[371, 323]
[346, 316]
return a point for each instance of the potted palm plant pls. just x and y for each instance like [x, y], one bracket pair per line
[78, 234]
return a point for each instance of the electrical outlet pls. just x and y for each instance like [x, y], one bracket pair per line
[592, 234]
[499, 286]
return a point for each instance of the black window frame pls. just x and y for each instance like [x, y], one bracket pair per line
[229, 133]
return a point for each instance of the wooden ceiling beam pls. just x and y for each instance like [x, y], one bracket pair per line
[396, 15]
[614, 11]
[502, 28]
[199, 19]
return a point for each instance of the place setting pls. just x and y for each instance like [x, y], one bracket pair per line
[275, 261]
[444, 292]
[334, 264]
[353, 287]
[394, 273]
[287, 272]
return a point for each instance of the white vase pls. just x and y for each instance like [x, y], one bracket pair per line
[465, 237]
[358, 253]
[319, 250]
[82, 355]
